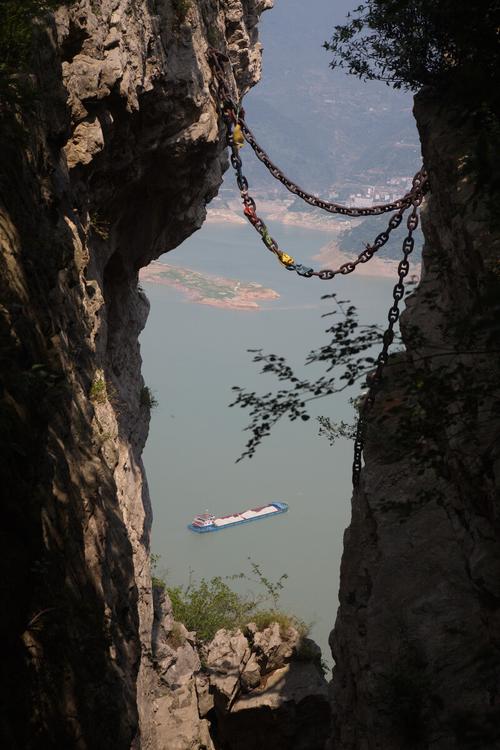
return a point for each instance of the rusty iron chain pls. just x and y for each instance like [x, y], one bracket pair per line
[387, 339]
[250, 212]
[334, 208]
[420, 185]
[234, 115]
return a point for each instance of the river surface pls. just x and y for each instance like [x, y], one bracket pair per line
[193, 354]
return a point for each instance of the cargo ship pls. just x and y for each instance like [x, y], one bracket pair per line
[205, 522]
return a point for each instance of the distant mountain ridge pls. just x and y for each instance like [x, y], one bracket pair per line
[321, 126]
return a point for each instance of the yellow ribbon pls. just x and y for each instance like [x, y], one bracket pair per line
[286, 259]
[238, 137]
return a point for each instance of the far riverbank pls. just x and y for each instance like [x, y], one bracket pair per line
[329, 255]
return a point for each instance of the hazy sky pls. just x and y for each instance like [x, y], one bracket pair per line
[322, 125]
[296, 30]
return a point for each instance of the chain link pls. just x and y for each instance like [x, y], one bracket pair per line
[234, 115]
[387, 339]
[420, 183]
[250, 212]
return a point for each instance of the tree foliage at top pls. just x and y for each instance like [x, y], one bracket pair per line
[412, 43]
[18, 22]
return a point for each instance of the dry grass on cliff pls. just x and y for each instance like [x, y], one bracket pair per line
[265, 618]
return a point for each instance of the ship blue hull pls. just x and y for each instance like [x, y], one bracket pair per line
[209, 529]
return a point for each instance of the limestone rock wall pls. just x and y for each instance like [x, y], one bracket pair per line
[109, 166]
[416, 641]
[253, 690]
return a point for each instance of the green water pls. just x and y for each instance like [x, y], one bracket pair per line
[192, 355]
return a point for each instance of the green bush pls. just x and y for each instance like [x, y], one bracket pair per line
[206, 606]
[98, 392]
[148, 398]
[264, 619]
[158, 583]
[414, 43]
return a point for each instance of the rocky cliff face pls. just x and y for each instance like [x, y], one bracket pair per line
[258, 690]
[110, 166]
[416, 639]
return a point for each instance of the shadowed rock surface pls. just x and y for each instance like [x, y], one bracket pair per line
[416, 639]
[110, 166]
